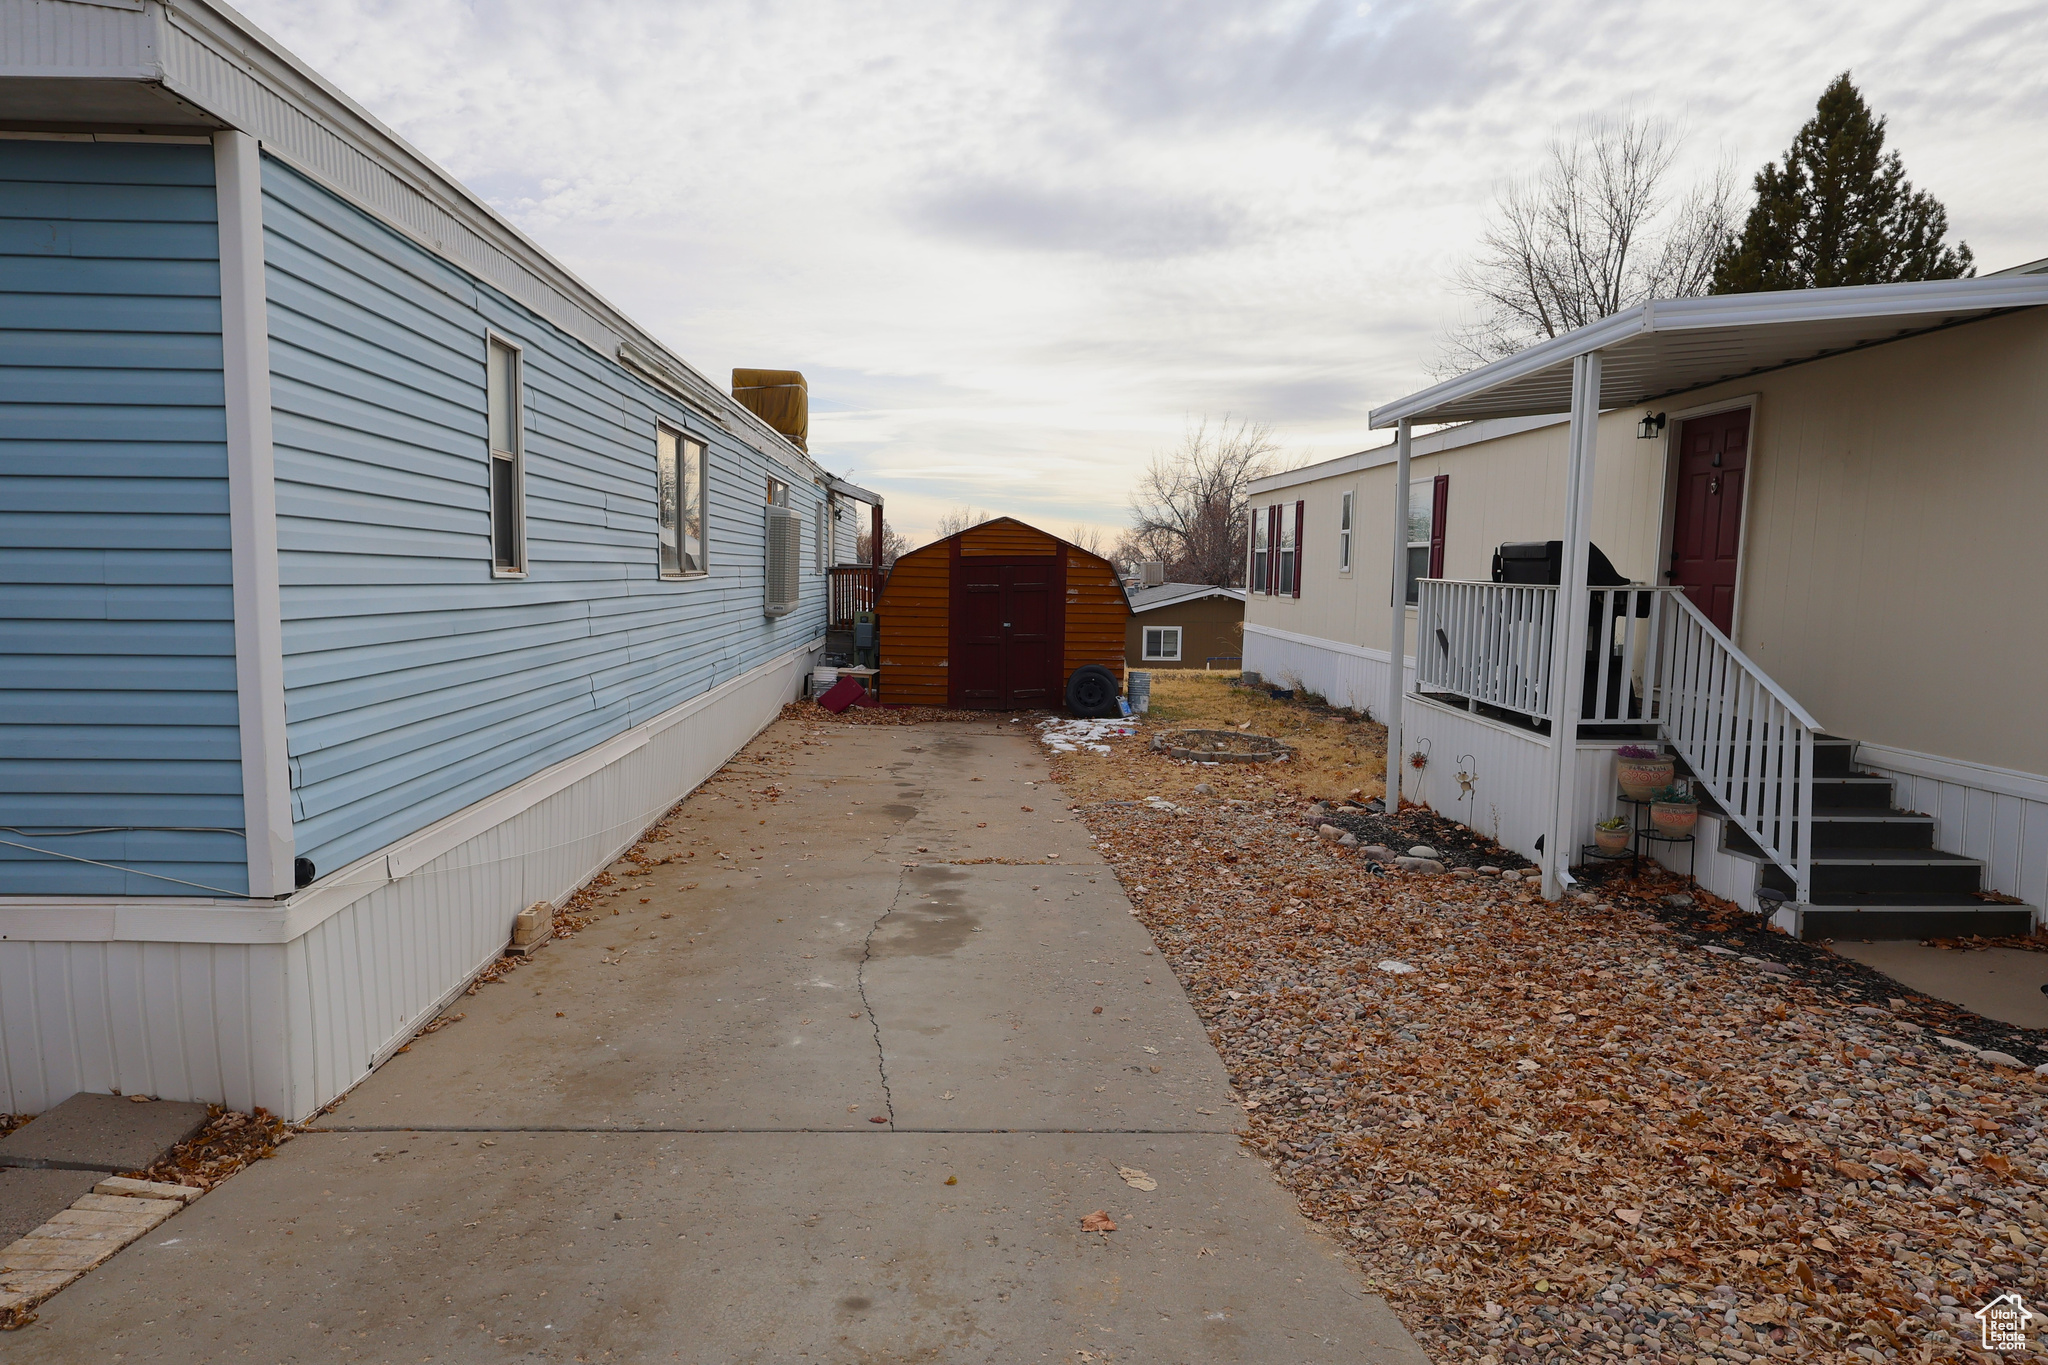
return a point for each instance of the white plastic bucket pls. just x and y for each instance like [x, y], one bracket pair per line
[822, 680]
[1138, 691]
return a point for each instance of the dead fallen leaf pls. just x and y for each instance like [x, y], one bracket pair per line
[1632, 1217]
[1098, 1221]
[1136, 1178]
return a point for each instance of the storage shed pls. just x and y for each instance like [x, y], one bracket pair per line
[998, 617]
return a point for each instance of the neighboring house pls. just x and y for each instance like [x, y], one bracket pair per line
[997, 617]
[368, 578]
[1830, 503]
[1185, 625]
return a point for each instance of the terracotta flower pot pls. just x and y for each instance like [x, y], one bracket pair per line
[1675, 818]
[1642, 777]
[1611, 841]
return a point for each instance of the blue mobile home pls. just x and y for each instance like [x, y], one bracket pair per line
[366, 576]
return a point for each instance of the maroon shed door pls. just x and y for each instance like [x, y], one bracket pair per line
[1007, 633]
[1706, 531]
[977, 646]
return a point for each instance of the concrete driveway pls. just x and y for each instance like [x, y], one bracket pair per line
[842, 1094]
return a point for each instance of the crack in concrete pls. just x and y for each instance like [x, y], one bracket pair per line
[860, 981]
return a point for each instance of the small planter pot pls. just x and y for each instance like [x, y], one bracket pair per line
[1611, 841]
[1675, 818]
[1642, 777]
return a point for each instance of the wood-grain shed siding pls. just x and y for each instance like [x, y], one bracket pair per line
[916, 608]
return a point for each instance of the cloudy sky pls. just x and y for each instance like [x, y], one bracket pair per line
[1016, 247]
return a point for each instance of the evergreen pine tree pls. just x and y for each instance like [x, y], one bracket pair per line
[1839, 211]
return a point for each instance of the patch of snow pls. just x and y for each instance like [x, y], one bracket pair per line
[1396, 968]
[1064, 736]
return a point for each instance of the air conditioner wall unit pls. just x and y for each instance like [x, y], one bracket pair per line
[785, 560]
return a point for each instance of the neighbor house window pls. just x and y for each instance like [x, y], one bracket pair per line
[679, 496]
[504, 404]
[1344, 534]
[1427, 505]
[1260, 548]
[1162, 643]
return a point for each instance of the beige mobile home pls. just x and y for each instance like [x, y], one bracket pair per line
[1824, 511]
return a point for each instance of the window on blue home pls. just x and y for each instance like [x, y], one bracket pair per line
[1162, 644]
[679, 468]
[505, 405]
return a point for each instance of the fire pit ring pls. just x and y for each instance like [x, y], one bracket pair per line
[1219, 746]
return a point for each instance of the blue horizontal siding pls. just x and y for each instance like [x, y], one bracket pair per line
[415, 684]
[117, 670]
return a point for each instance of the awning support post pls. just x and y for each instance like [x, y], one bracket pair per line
[1398, 632]
[1568, 643]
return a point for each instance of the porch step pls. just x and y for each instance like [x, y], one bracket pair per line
[1874, 923]
[1876, 872]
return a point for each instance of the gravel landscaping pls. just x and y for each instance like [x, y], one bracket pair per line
[1633, 1125]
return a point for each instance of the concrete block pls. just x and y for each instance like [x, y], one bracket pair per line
[28, 1198]
[101, 1133]
[147, 1189]
[36, 1283]
[145, 1214]
[54, 1253]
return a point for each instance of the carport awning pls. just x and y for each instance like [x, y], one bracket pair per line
[1674, 345]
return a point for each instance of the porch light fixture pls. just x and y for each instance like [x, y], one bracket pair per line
[1651, 427]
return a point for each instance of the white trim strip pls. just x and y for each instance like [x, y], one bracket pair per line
[170, 919]
[1430, 443]
[1378, 656]
[252, 515]
[1981, 776]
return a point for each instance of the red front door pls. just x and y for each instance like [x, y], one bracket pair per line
[1006, 633]
[1706, 533]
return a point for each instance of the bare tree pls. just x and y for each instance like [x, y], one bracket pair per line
[1592, 233]
[1189, 509]
[1087, 538]
[962, 519]
[893, 545]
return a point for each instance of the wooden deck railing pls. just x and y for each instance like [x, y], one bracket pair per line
[855, 588]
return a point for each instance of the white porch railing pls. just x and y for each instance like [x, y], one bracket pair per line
[1744, 737]
[1491, 643]
[1652, 659]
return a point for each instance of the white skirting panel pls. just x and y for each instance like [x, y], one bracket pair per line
[1509, 796]
[1999, 815]
[1342, 674]
[290, 1024]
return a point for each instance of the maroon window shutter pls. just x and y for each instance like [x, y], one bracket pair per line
[1300, 514]
[1272, 550]
[1439, 506]
[1251, 548]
